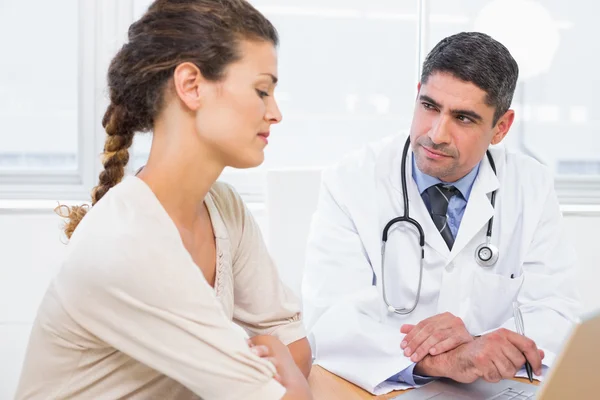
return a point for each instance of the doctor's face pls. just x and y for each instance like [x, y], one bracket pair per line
[452, 127]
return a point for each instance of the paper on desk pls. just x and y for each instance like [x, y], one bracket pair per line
[522, 373]
[548, 360]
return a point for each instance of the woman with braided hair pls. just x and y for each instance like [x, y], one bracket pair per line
[164, 265]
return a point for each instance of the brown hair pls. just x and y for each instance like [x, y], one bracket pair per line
[204, 32]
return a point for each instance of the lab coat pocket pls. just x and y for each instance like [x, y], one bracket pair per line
[492, 295]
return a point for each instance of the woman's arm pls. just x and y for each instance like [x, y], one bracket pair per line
[300, 350]
[145, 302]
[290, 375]
[263, 304]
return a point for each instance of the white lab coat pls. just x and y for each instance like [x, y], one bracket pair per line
[352, 333]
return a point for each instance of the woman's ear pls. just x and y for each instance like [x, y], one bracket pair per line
[188, 82]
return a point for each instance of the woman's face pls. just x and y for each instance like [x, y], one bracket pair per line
[238, 111]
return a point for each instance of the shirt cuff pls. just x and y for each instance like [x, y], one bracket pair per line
[407, 376]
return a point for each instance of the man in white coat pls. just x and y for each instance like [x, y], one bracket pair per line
[462, 326]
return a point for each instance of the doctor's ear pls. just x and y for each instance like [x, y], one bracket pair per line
[189, 83]
[502, 126]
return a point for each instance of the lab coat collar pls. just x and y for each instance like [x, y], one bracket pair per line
[477, 213]
[479, 209]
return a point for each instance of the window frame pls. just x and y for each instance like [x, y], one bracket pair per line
[101, 24]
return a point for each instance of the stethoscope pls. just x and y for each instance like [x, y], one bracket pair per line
[486, 253]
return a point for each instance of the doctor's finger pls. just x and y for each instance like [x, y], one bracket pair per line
[527, 347]
[424, 329]
[421, 331]
[448, 344]
[504, 366]
[414, 339]
[491, 373]
[426, 340]
[514, 355]
[433, 340]
[406, 328]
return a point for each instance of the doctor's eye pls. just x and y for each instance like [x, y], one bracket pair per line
[429, 107]
[464, 119]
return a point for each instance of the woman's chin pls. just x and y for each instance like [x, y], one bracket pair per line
[249, 160]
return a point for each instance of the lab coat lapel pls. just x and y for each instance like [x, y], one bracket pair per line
[479, 210]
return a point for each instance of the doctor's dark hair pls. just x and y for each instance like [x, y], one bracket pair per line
[206, 33]
[477, 58]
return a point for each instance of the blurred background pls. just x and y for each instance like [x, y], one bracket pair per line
[348, 75]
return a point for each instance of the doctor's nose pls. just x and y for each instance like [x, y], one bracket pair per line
[440, 131]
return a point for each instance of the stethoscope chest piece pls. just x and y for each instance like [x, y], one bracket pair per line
[486, 255]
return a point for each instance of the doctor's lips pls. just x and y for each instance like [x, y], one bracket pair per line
[264, 136]
[434, 153]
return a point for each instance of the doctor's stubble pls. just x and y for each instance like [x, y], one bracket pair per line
[445, 149]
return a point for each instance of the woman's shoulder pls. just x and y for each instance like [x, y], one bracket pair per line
[225, 194]
[126, 225]
[129, 208]
[228, 201]
[236, 217]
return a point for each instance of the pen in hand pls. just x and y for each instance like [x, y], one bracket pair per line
[521, 331]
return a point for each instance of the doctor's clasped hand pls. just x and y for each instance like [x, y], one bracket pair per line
[494, 356]
[434, 335]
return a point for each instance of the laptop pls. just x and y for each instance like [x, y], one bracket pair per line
[574, 375]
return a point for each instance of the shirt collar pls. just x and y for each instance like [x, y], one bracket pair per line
[464, 184]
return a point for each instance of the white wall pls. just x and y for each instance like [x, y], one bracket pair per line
[583, 233]
[31, 250]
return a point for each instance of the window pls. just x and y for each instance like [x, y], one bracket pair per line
[38, 105]
[349, 70]
[348, 74]
[42, 83]
[555, 102]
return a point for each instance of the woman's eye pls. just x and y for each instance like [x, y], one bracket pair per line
[262, 93]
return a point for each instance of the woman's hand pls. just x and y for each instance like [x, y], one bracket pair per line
[264, 351]
[289, 375]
